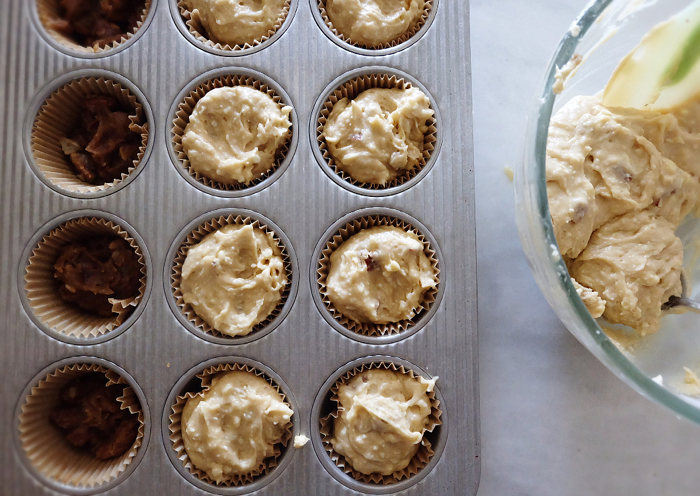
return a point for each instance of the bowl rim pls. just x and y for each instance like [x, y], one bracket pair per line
[535, 228]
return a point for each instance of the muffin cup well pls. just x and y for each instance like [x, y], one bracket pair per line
[419, 461]
[428, 6]
[196, 29]
[42, 287]
[46, 448]
[175, 427]
[351, 89]
[47, 10]
[58, 116]
[197, 235]
[187, 106]
[351, 228]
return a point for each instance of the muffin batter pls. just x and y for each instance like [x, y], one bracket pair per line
[234, 134]
[379, 134]
[233, 426]
[374, 22]
[384, 416]
[619, 183]
[237, 22]
[379, 275]
[234, 278]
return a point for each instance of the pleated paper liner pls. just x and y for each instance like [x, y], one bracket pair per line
[419, 461]
[198, 235]
[48, 10]
[350, 90]
[175, 427]
[196, 29]
[350, 229]
[182, 118]
[42, 287]
[379, 46]
[59, 115]
[46, 447]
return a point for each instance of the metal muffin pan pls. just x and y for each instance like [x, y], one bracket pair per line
[158, 204]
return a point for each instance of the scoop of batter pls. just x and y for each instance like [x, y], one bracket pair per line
[634, 263]
[379, 275]
[234, 133]
[237, 22]
[379, 134]
[374, 22]
[384, 416]
[234, 278]
[619, 182]
[233, 426]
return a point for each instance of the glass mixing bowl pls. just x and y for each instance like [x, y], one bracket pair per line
[603, 34]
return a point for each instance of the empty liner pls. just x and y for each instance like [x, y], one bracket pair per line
[46, 447]
[59, 115]
[196, 29]
[379, 46]
[419, 461]
[42, 287]
[48, 10]
[198, 235]
[175, 427]
[350, 90]
[182, 118]
[350, 229]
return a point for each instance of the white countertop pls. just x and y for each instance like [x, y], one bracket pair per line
[554, 420]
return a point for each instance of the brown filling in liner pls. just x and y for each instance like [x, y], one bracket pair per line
[401, 39]
[350, 229]
[57, 118]
[175, 427]
[194, 24]
[350, 90]
[47, 448]
[48, 11]
[43, 288]
[182, 118]
[419, 461]
[198, 235]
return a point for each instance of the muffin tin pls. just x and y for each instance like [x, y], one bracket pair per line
[302, 348]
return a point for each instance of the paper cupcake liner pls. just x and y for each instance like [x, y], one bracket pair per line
[351, 89]
[58, 116]
[42, 287]
[401, 39]
[178, 444]
[182, 118]
[198, 235]
[196, 29]
[324, 262]
[46, 447]
[419, 461]
[48, 11]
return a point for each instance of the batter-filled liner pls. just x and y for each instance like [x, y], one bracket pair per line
[350, 90]
[59, 115]
[198, 235]
[182, 118]
[324, 262]
[46, 447]
[175, 427]
[42, 287]
[196, 29]
[419, 461]
[379, 46]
